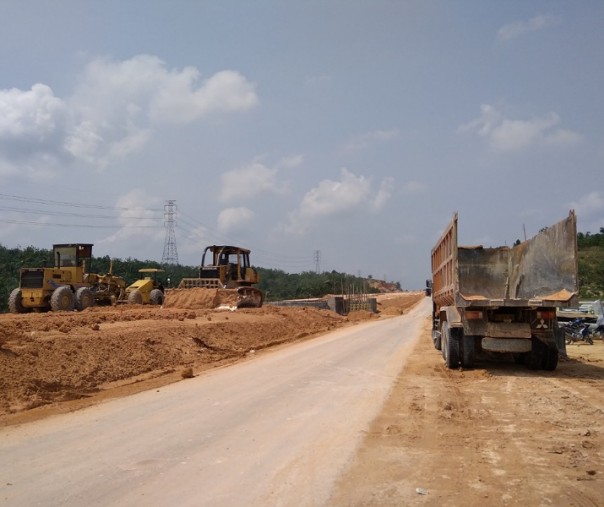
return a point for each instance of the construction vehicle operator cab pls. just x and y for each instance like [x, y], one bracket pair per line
[71, 255]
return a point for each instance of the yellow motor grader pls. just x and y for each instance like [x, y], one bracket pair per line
[65, 286]
[228, 267]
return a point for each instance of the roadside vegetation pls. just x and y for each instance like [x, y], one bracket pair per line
[591, 264]
[277, 284]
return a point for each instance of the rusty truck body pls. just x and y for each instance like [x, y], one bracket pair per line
[499, 301]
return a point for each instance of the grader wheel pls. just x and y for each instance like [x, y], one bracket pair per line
[83, 298]
[156, 297]
[135, 298]
[15, 304]
[62, 299]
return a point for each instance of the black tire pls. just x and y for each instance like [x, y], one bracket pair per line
[15, 304]
[450, 347]
[83, 298]
[468, 349]
[436, 339]
[62, 299]
[536, 357]
[550, 358]
[135, 298]
[156, 297]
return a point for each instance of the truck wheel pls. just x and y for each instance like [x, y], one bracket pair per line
[550, 358]
[468, 349]
[62, 299]
[536, 356]
[156, 297]
[83, 298]
[135, 298]
[436, 339]
[450, 347]
[15, 305]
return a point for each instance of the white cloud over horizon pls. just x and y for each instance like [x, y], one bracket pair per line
[234, 219]
[331, 198]
[113, 110]
[507, 135]
[250, 181]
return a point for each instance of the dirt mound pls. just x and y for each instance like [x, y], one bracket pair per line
[60, 361]
[200, 298]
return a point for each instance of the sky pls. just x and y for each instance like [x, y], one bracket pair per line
[322, 135]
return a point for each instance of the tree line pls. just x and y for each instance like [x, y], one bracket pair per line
[276, 284]
[591, 264]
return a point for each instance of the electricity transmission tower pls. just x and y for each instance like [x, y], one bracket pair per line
[317, 257]
[170, 255]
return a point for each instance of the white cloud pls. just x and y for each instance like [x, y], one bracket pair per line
[31, 114]
[384, 193]
[519, 28]
[371, 138]
[177, 100]
[507, 135]
[249, 181]
[331, 198]
[136, 218]
[232, 219]
[113, 110]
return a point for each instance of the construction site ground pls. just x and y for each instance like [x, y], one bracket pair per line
[499, 434]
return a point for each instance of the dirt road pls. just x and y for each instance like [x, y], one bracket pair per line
[56, 362]
[275, 430]
[494, 435]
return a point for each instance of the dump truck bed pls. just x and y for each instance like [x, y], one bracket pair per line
[540, 272]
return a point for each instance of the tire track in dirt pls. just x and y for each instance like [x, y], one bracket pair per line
[499, 434]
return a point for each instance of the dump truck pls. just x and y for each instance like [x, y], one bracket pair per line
[228, 267]
[494, 302]
[65, 286]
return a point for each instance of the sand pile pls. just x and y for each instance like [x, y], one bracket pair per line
[199, 298]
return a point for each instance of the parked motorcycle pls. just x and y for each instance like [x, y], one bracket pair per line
[577, 330]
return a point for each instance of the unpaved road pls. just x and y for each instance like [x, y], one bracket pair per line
[499, 435]
[275, 430]
[496, 435]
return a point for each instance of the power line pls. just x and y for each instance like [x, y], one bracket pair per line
[65, 213]
[50, 224]
[48, 202]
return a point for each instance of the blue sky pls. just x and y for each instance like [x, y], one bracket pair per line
[350, 128]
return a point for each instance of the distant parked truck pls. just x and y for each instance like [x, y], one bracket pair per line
[494, 301]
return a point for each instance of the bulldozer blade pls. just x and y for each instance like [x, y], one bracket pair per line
[249, 297]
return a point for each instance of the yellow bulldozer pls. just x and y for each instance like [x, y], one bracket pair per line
[147, 290]
[228, 267]
[65, 286]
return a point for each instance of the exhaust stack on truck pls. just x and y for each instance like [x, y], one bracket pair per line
[493, 301]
